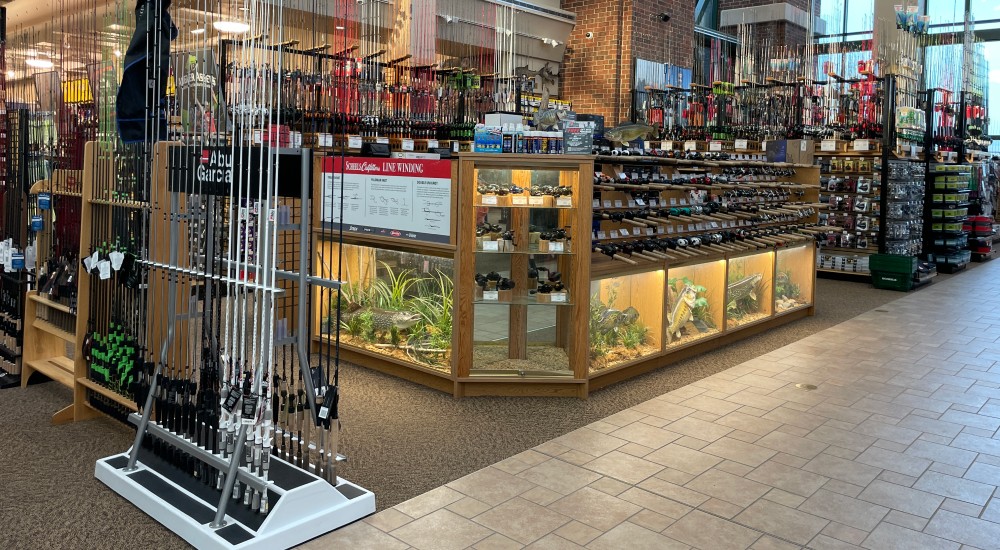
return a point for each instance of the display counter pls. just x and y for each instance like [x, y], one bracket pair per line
[523, 300]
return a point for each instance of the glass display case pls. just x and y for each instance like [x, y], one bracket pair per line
[749, 289]
[794, 280]
[695, 302]
[394, 304]
[625, 319]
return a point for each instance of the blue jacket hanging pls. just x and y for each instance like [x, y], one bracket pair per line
[137, 112]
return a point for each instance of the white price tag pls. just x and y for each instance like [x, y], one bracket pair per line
[94, 259]
[607, 204]
[491, 246]
[623, 232]
[536, 201]
[684, 201]
[715, 225]
[667, 145]
[490, 200]
[597, 203]
[670, 229]
[740, 145]
[631, 203]
[519, 200]
[660, 230]
[618, 204]
[763, 146]
[654, 202]
[602, 235]
[558, 297]
[691, 227]
[861, 145]
[354, 142]
[828, 145]
[456, 147]
[715, 146]
[116, 260]
[258, 137]
[104, 268]
[407, 144]
[382, 140]
[324, 412]
[803, 145]
[433, 144]
[491, 295]
[637, 231]
[690, 145]
[564, 202]
[913, 150]
[646, 145]
[640, 202]
[673, 202]
[649, 231]
[557, 246]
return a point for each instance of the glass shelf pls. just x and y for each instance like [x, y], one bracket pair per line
[529, 252]
[520, 301]
[527, 206]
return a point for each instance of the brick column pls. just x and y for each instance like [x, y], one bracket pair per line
[784, 21]
[597, 72]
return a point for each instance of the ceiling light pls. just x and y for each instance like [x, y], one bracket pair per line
[339, 28]
[10, 74]
[198, 31]
[231, 27]
[38, 63]
[118, 53]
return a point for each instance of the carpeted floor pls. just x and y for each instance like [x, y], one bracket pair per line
[401, 439]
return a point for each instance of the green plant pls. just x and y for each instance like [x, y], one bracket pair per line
[392, 292]
[634, 335]
[786, 287]
[702, 307]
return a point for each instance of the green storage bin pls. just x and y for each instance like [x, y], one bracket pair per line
[891, 263]
[892, 281]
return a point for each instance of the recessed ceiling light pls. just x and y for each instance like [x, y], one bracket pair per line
[38, 63]
[198, 31]
[231, 27]
[340, 28]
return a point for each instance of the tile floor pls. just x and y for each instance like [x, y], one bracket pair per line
[896, 448]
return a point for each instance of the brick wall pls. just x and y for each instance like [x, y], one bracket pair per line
[597, 80]
[778, 32]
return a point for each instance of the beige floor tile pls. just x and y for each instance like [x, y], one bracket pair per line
[782, 521]
[574, 456]
[645, 435]
[663, 409]
[551, 448]
[609, 486]
[624, 418]
[892, 537]
[844, 470]
[882, 430]
[659, 504]
[826, 542]
[747, 423]
[954, 487]
[674, 492]
[496, 541]
[941, 453]
[601, 427]
[905, 464]
[433, 500]
[963, 508]
[684, 459]
[699, 429]
[706, 531]
[943, 468]
[541, 496]
[521, 520]
[788, 415]
[845, 533]
[594, 508]
[738, 451]
[675, 476]
[909, 521]
[512, 465]
[757, 401]
[561, 477]
[843, 509]
[978, 444]
[843, 488]
[837, 412]
[634, 537]
[651, 520]
[842, 438]
[784, 498]
[553, 542]
[734, 468]
[793, 445]
[358, 535]
[578, 533]
[441, 530]
[734, 489]
[589, 441]
[623, 467]
[711, 405]
[787, 478]
[720, 508]
[846, 454]
[387, 520]
[771, 543]
[904, 499]
[984, 473]
[492, 486]
[469, 507]
[635, 449]
[692, 442]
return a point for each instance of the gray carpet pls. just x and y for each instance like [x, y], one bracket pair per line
[401, 439]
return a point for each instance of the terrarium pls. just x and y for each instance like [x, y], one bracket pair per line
[793, 279]
[695, 302]
[625, 320]
[748, 289]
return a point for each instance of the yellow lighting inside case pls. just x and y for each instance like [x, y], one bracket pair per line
[231, 27]
[38, 63]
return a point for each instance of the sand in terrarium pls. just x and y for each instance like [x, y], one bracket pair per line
[437, 360]
[540, 358]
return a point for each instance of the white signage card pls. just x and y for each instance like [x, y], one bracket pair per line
[558, 297]
[861, 145]
[715, 146]
[491, 295]
[618, 203]
[607, 204]
[491, 246]
[354, 142]
[564, 202]
[556, 246]
[740, 145]
[519, 200]
[382, 140]
[536, 201]
[667, 145]
[690, 145]
[407, 145]
[828, 145]
[490, 200]
[401, 198]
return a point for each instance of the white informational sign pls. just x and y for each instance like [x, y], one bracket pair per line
[401, 198]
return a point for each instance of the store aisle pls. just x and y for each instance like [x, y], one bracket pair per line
[880, 432]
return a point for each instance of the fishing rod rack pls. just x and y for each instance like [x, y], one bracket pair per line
[295, 504]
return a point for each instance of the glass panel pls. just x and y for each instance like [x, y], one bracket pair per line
[695, 295]
[793, 288]
[748, 291]
[626, 319]
[397, 304]
[986, 15]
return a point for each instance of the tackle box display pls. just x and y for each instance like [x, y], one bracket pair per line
[948, 220]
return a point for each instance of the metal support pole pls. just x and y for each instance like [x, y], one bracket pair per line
[227, 487]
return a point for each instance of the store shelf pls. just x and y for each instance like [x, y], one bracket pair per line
[524, 252]
[526, 206]
[45, 326]
[107, 392]
[520, 301]
[59, 369]
[49, 303]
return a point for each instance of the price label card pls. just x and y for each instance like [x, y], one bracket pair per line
[491, 246]
[490, 200]
[637, 231]
[631, 203]
[670, 229]
[861, 145]
[104, 267]
[701, 226]
[407, 144]
[607, 204]
[382, 140]
[803, 145]
[597, 203]
[433, 144]
[673, 202]
[690, 145]
[913, 150]
[116, 260]
[564, 202]
[691, 227]
[618, 203]
[667, 145]
[763, 146]
[557, 246]
[558, 297]
[715, 225]
[649, 231]
[828, 145]
[491, 295]
[660, 230]
[602, 235]
[354, 142]
[623, 232]
[622, 175]
[536, 201]
[684, 201]
[654, 202]
[647, 145]
[640, 202]
[715, 146]
[741, 144]
[519, 200]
